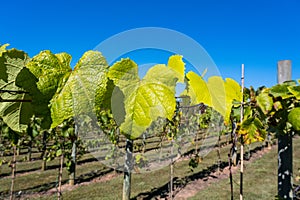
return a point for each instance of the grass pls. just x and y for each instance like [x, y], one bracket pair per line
[260, 179]
[146, 185]
[35, 180]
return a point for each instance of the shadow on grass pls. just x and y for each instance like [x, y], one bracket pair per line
[91, 175]
[39, 188]
[163, 191]
[180, 183]
[49, 167]
[47, 186]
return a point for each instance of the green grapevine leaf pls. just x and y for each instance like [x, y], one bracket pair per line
[247, 112]
[265, 102]
[124, 73]
[123, 78]
[90, 76]
[163, 75]
[58, 152]
[65, 60]
[103, 98]
[281, 90]
[175, 62]
[50, 70]
[295, 90]
[62, 103]
[28, 82]
[146, 103]
[144, 100]
[15, 114]
[76, 94]
[294, 118]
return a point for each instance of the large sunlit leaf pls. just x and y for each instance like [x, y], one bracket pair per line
[76, 94]
[163, 75]
[175, 62]
[145, 104]
[90, 75]
[265, 102]
[13, 73]
[144, 100]
[253, 130]
[294, 118]
[216, 88]
[124, 73]
[50, 69]
[233, 93]
[211, 93]
[198, 90]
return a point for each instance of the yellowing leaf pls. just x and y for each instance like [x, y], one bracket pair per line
[3, 48]
[211, 93]
[233, 92]
[175, 62]
[217, 90]
[252, 129]
[198, 90]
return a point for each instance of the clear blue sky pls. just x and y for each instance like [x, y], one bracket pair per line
[256, 33]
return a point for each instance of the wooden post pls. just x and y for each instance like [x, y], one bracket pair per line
[242, 139]
[128, 169]
[285, 144]
[284, 71]
[72, 175]
[13, 174]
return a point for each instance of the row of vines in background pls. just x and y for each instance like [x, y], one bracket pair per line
[64, 112]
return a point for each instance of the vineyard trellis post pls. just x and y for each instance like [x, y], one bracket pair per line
[73, 159]
[242, 142]
[285, 144]
[128, 169]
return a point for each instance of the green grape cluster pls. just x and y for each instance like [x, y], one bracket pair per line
[63, 138]
[109, 126]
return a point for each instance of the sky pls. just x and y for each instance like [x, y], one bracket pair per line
[256, 33]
